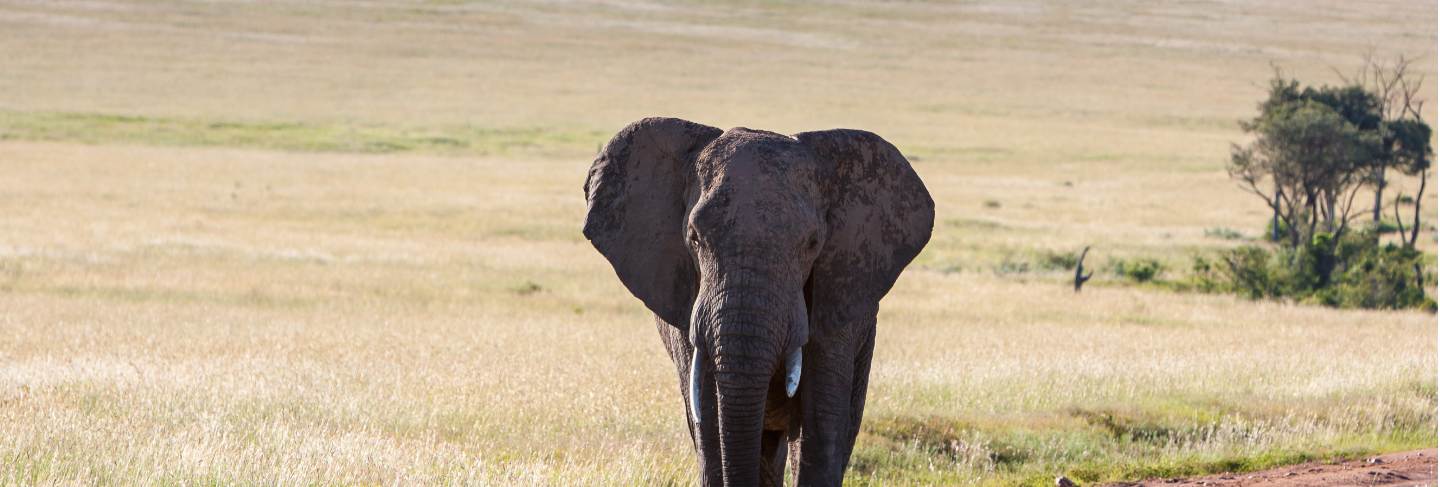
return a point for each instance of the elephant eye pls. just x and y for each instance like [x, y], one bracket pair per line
[813, 243]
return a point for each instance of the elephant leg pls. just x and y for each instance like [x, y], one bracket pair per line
[826, 390]
[781, 426]
[707, 439]
[833, 402]
[773, 449]
[860, 385]
[793, 438]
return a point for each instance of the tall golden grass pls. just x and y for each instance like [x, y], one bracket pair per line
[339, 243]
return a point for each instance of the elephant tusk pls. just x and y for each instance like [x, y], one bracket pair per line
[695, 388]
[792, 373]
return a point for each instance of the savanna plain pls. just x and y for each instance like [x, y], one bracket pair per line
[339, 242]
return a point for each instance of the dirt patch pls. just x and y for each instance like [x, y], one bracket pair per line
[1413, 468]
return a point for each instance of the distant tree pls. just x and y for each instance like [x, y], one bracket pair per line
[1313, 150]
[1414, 136]
[1405, 137]
[1309, 157]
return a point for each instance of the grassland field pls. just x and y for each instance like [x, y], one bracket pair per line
[323, 242]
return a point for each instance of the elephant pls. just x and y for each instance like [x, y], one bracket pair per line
[763, 258]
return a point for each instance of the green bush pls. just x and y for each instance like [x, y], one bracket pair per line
[1248, 271]
[1383, 277]
[1052, 260]
[1386, 227]
[1276, 230]
[1011, 265]
[1355, 271]
[1138, 270]
[1224, 233]
[1203, 276]
[1036, 261]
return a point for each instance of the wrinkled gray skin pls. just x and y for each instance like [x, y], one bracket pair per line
[750, 246]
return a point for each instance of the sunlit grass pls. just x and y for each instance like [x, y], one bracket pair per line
[295, 244]
[94, 128]
[196, 330]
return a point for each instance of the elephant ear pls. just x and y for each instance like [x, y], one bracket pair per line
[880, 216]
[636, 217]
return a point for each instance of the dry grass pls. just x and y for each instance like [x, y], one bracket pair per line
[246, 313]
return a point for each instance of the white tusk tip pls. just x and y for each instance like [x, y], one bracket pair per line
[695, 389]
[792, 372]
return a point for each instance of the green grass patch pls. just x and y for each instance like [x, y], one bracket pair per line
[1150, 438]
[1224, 233]
[100, 128]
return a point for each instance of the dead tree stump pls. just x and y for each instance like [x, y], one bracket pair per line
[1080, 276]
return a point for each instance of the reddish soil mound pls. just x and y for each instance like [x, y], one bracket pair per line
[1414, 468]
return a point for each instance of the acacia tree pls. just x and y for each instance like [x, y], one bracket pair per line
[1405, 137]
[1413, 133]
[1312, 151]
[1308, 159]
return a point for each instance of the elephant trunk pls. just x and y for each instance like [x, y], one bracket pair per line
[746, 356]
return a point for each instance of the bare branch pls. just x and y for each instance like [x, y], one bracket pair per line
[1250, 186]
[1409, 91]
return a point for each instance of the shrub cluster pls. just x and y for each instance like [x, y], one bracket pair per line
[1353, 271]
[1138, 270]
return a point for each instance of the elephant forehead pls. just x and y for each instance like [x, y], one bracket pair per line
[746, 156]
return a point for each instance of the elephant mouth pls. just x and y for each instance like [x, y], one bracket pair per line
[781, 401]
[778, 400]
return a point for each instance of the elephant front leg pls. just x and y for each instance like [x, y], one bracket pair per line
[860, 384]
[702, 437]
[833, 402]
[781, 413]
[773, 452]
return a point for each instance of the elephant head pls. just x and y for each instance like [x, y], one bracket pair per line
[747, 241]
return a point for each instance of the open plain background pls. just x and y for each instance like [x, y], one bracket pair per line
[330, 242]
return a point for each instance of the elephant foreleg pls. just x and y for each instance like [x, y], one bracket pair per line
[704, 437]
[826, 420]
[833, 401]
[860, 384]
[773, 451]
